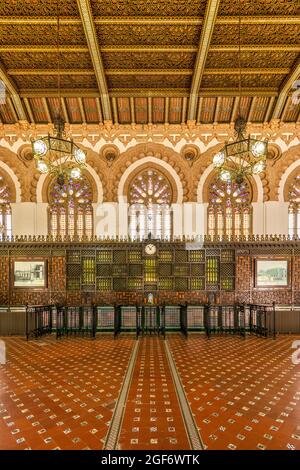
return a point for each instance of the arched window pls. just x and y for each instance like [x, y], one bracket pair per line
[71, 211]
[229, 209]
[5, 210]
[150, 197]
[294, 207]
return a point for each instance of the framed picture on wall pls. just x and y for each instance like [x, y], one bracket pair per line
[30, 274]
[271, 273]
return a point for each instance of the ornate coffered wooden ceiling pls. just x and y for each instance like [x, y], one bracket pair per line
[149, 61]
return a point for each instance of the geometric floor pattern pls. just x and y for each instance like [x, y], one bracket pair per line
[243, 394]
[152, 418]
[60, 394]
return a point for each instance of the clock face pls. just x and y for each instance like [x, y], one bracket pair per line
[150, 249]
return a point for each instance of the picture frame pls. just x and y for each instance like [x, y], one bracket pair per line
[29, 274]
[272, 273]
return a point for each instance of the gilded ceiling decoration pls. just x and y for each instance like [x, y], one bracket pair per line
[154, 8]
[50, 81]
[251, 81]
[148, 34]
[259, 7]
[41, 34]
[36, 7]
[154, 81]
[46, 60]
[137, 61]
[256, 34]
[251, 59]
[150, 60]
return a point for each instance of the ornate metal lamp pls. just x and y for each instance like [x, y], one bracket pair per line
[245, 156]
[57, 155]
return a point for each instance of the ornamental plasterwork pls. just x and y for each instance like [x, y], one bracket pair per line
[154, 8]
[148, 34]
[259, 7]
[251, 59]
[128, 135]
[46, 34]
[256, 34]
[36, 8]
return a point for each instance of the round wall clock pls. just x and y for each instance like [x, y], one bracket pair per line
[150, 249]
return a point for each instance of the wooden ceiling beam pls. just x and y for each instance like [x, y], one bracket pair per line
[47, 111]
[190, 20]
[64, 110]
[158, 49]
[205, 38]
[85, 11]
[14, 94]
[154, 92]
[211, 71]
[29, 110]
[285, 89]
[40, 49]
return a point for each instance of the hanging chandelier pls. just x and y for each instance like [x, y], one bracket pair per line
[56, 154]
[245, 155]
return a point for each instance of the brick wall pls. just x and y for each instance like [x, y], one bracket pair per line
[245, 290]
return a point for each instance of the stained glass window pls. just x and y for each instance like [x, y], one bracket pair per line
[5, 210]
[294, 207]
[150, 197]
[71, 211]
[229, 209]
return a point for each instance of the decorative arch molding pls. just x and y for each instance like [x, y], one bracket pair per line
[150, 162]
[161, 169]
[94, 172]
[163, 159]
[285, 169]
[207, 177]
[204, 173]
[45, 180]
[12, 175]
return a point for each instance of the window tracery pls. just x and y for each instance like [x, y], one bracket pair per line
[229, 209]
[294, 207]
[150, 197]
[71, 211]
[5, 210]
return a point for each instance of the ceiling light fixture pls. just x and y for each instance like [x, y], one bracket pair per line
[245, 155]
[56, 154]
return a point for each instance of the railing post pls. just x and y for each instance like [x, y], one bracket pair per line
[274, 321]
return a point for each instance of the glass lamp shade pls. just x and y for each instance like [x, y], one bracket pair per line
[219, 159]
[75, 173]
[79, 156]
[40, 148]
[258, 167]
[225, 175]
[42, 167]
[258, 149]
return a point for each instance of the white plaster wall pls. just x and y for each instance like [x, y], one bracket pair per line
[29, 218]
[122, 228]
[194, 219]
[258, 218]
[276, 217]
[105, 219]
[111, 219]
[177, 220]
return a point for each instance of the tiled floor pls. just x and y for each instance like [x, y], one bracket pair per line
[152, 417]
[60, 394]
[244, 394]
